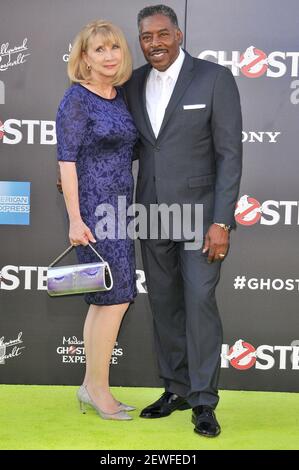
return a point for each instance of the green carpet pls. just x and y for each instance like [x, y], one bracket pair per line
[48, 417]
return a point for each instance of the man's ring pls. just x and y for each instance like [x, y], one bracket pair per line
[221, 255]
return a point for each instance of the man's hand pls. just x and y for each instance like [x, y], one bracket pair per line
[216, 243]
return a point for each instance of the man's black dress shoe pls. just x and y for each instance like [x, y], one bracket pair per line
[205, 421]
[167, 403]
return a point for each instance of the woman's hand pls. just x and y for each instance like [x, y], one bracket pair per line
[79, 233]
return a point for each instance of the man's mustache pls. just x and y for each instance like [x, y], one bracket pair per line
[156, 51]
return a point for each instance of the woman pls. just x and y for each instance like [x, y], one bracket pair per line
[95, 139]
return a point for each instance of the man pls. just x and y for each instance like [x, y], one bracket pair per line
[188, 115]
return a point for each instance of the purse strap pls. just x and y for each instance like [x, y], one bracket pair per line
[68, 250]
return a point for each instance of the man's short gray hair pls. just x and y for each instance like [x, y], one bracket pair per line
[157, 10]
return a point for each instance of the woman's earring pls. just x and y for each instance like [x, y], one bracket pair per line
[88, 67]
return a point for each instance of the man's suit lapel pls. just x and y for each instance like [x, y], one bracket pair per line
[183, 81]
[148, 130]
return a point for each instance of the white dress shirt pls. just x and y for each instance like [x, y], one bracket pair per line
[159, 88]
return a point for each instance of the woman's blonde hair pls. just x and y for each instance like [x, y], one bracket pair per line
[111, 34]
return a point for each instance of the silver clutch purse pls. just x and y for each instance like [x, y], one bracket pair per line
[78, 278]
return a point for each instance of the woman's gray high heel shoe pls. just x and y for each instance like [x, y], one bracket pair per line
[85, 399]
[124, 407]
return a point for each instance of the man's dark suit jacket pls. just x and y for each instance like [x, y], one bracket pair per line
[197, 156]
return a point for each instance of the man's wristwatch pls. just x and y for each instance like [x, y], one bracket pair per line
[225, 227]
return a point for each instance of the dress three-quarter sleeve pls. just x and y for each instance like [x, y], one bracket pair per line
[71, 125]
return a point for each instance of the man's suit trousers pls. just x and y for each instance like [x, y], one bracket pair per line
[187, 325]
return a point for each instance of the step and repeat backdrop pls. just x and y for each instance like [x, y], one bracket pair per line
[41, 337]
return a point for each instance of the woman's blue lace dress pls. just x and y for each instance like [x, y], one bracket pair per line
[99, 135]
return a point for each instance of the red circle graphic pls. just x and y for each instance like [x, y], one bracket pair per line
[235, 362]
[256, 215]
[246, 70]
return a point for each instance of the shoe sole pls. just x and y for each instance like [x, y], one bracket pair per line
[206, 435]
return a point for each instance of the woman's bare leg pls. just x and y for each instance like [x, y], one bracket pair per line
[100, 333]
